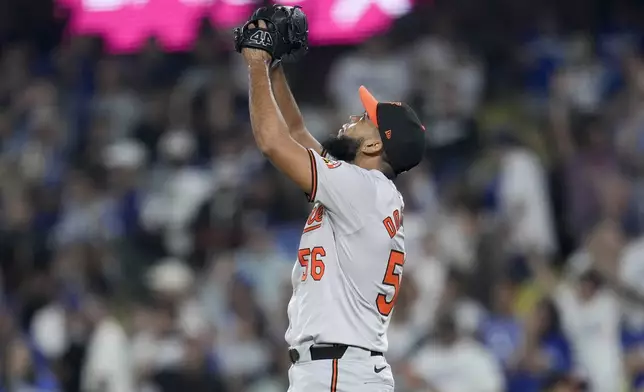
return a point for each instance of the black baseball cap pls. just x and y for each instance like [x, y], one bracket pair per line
[402, 134]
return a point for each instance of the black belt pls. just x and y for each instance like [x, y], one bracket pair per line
[335, 351]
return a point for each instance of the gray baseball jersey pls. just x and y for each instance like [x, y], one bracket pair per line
[350, 259]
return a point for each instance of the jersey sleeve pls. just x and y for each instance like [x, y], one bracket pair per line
[342, 188]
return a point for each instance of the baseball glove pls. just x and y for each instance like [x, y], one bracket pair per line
[285, 37]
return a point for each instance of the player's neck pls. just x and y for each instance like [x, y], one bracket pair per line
[367, 162]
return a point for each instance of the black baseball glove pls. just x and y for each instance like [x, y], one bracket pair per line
[285, 37]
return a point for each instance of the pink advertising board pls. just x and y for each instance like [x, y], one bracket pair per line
[126, 24]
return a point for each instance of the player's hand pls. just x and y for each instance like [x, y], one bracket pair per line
[280, 31]
[252, 55]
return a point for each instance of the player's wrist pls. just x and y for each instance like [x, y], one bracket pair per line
[259, 63]
[276, 67]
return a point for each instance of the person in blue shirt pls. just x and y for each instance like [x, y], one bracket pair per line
[27, 370]
[502, 331]
[633, 343]
[545, 350]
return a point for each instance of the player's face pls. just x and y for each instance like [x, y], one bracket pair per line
[349, 140]
[359, 127]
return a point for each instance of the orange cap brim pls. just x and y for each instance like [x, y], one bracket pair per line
[370, 104]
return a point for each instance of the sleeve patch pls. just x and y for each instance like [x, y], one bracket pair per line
[331, 164]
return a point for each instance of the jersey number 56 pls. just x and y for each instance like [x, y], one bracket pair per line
[311, 261]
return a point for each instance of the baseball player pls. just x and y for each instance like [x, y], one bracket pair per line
[351, 255]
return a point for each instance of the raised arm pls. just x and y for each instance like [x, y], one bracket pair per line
[291, 112]
[258, 44]
[269, 128]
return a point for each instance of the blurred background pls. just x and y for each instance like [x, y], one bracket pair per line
[146, 245]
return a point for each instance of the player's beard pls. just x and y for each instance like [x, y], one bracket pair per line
[342, 148]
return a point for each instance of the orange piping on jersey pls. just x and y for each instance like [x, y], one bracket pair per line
[323, 153]
[311, 228]
[314, 176]
[334, 376]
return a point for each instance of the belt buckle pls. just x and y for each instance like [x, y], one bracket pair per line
[294, 355]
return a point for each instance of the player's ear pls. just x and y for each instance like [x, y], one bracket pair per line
[371, 143]
[371, 147]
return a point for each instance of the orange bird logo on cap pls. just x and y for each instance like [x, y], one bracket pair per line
[388, 134]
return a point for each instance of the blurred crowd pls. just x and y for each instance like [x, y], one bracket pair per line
[146, 245]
